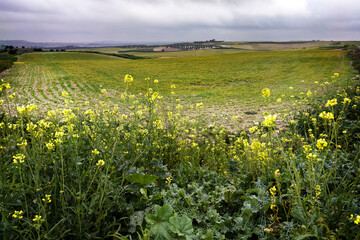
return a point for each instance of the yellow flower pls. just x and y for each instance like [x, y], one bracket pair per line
[331, 102]
[278, 100]
[346, 100]
[273, 191]
[273, 207]
[18, 214]
[277, 173]
[103, 91]
[309, 93]
[168, 180]
[65, 94]
[18, 157]
[95, 152]
[172, 86]
[291, 88]
[128, 78]
[47, 198]
[317, 190]
[269, 121]
[336, 74]
[156, 81]
[265, 92]
[235, 118]
[357, 220]
[199, 105]
[37, 219]
[326, 115]
[321, 143]
[100, 163]
[50, 146]
[253, 129]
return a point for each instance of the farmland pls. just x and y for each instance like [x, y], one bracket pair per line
[90, 152]
[44, 76]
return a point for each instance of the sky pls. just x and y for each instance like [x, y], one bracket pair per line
[178, 20]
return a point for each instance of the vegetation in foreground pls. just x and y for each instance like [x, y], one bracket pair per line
[152, 173]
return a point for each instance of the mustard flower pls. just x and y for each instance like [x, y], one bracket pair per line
[357, 220]
[346, 100]
[95, 152]
[65, 94]
[18, 158]
[253, 129]
[100, 163]
[331, 102]
[18, 214]
[199, 105]
[265, 92]
[47, 198]
[156, 81]
[277, 173]
[326, 115]
[273, 191]
[128, 78]
[309, 93]
[50, 146]
[103, 91]
[269, 121]
[321, 143]
[38, 219]
[168, 180]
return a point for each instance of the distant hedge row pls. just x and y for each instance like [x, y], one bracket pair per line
[354, 56]
[128, 56]
[6, 61]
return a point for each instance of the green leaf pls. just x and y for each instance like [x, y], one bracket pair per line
[298, 214]
[140, 178]
[159, 222]
[182, 226]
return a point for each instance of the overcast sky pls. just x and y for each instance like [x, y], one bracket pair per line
[179, 20]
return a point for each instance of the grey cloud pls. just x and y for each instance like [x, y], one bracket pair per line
[176, 19]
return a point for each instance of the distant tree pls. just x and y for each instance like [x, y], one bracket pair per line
[12, 51]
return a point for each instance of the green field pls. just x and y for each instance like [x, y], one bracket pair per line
[230, 81]
[223, 48]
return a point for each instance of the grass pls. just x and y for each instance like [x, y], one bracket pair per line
[230, 81]
[201, 77]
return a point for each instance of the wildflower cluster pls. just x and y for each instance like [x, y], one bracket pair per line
[95, 169]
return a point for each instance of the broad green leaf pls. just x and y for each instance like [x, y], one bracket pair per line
[140, 178]
[159, 224]
[182, 226]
